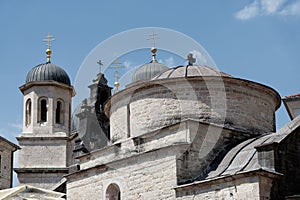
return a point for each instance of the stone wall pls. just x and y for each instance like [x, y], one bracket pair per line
[53, 93]
[178, 136]
[208, 145]
[42, 161]
[43, 158]
[6, 165]
[148, 176]
[155, 158]
[45, 152]
[40, 179]
[238, 103]
[287, 162]
[252, 187]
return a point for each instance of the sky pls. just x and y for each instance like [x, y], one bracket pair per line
[257, 40]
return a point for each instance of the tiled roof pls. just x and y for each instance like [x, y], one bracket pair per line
[292, 96]
[10, 143]
[244, 156]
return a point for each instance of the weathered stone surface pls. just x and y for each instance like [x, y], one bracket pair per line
[45, 178]
[239, 103]
[52, 92]
[45, 155]
[44, 152]
[149, 176]
[7, 150]
[241, 187]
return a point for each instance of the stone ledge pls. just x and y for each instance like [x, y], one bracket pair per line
[42, 138]
[228, 178]
[294, 197]
[104, 166]
[47, 83]
[41, 170]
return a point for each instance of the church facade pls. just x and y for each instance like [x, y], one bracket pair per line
[187, 132]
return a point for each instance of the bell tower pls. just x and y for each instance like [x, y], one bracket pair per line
[44, 156]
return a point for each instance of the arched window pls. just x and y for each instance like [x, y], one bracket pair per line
[113, 192]
[43, 110]
[28, 112]
[59, 112]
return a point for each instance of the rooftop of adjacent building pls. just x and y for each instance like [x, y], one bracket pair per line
[13, 145]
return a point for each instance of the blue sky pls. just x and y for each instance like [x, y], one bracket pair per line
[258, 40]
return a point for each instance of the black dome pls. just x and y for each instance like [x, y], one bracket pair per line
[48, 72]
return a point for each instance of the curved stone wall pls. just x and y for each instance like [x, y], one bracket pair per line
[150, 106]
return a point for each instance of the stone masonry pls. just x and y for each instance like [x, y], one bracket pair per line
[7, 150]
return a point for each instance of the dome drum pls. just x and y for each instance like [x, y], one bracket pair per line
[246, 105]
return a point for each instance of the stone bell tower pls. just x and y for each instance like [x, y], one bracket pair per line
[44, 156]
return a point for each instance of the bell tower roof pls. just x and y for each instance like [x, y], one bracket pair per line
[48, 72]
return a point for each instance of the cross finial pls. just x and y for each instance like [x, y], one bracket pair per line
[191, 59]
[48, 51]
[117, 66]
[100, 65]
[153, 36]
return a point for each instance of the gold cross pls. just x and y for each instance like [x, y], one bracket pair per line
[49, 39]
[117, 67]
[153, 36]
[48, 51]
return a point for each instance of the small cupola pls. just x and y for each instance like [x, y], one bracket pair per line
[150, 70]
[47, 72]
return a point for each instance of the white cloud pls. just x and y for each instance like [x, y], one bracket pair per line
[292, 9]
[15, 125]
[248, 11]
[269, 7]
[168, 61]
[126, 78]
[200, 58]
[127, 64]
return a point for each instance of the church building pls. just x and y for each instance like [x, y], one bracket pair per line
[186, 132]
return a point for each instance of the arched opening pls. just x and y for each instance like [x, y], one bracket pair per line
[59, 112]
[113, 192]
[28, 112]
[43, 110]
